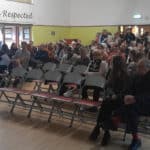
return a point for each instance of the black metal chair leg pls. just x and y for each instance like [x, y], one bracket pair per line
[51, 112]
[30, 111]
[14, 104]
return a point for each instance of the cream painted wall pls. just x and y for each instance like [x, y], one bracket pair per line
[108, 12]
[52, 12]
[81, 12]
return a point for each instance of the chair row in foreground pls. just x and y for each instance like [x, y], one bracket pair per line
[54, 103]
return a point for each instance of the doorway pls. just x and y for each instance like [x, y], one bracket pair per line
[14, 34]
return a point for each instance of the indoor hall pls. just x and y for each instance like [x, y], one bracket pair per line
[74, 74]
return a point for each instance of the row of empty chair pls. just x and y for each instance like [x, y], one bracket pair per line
[39, 98]
[64, 68]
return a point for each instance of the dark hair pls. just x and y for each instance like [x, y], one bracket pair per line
[11, 47]
[118, 74]
[4, 47]
[118, 64]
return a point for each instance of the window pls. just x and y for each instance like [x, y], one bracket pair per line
[121, 29]
[135, 30]
[8, 33]
[26, 33]
[142, 31]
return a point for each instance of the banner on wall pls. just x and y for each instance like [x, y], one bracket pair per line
[16, 12]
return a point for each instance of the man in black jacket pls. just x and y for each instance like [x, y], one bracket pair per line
[138, 103]
[129, 36]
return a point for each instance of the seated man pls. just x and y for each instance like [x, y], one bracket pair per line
[42, 54]
[4, 61]
[22, 56]
[139, 102]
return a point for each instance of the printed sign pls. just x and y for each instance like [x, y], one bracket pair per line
[16, 12]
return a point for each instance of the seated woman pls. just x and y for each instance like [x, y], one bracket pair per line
[118, 85]
[13, 50]
[98, 66]
[84, 59]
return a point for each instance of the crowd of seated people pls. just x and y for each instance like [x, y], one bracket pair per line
[123, 59]
[130, 84]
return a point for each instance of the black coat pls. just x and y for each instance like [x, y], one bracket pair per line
[141, 91]
[141, 85]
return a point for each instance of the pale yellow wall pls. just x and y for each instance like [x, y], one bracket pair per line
[87, 34]
[42, 34]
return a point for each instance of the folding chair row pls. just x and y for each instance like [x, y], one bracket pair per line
[64, 68]
[55, 101]
[58, 101]
[56, 104]
[18, 76]
[55, 77]
[37, 75]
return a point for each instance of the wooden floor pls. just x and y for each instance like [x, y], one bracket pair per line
[20, 133]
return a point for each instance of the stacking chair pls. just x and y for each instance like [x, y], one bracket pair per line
[4, 78]
[72, 79]
[80, 69]
[18, 72]
[35, 76]
[95, 80]
[64, 68]
[53, 78]
[49, 66]
[44, 98]
[81, 105]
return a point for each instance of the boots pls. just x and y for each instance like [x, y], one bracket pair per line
[95, 133]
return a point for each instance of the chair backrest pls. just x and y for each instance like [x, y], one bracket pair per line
[53, 76]
[64, 68]
[19, 72]
[73, 78]
[95, 80]
[80, 69]
[49, 66]
[35, 74]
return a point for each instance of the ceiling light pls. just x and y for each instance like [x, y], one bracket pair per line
[137, 16]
